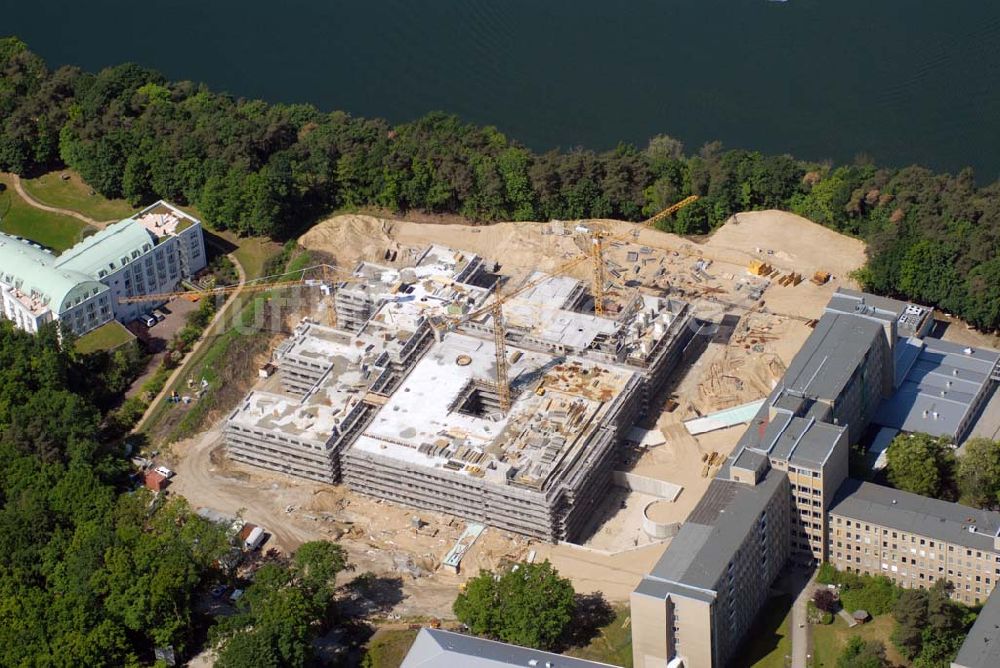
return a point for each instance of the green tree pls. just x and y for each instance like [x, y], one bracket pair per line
[862, 654]
[920, 463]
[529, 605]
[282, 611]
[979, 473]
[982, 285]
[317, 564]
[910, 613]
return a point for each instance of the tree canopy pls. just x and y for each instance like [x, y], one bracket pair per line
[979, 473]
[282, 610]
[271, 169]
[529, 605]
[88, 575]
[930, 627]
[919, 463]
[860, 653]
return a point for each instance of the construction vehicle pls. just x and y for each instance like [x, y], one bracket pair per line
[821, 277]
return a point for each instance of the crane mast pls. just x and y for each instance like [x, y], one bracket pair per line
[500, 343]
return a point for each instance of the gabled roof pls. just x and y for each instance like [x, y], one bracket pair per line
[435, 648]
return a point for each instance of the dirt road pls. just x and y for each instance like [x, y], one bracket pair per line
[198, 481]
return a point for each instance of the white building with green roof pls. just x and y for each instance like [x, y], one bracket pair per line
[88, 285]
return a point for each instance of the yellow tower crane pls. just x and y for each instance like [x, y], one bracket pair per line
[598, 237]
[495, 310]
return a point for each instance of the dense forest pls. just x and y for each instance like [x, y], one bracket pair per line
[96, 570]
[271, 169]
[90, 575]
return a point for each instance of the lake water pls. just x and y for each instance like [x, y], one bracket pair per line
[900, 80]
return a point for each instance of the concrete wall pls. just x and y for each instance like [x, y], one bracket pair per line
[652, 486]
[695, 642]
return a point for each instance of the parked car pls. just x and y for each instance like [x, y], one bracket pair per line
[236, 595]
[164, 471]
[148, 320]
[218, 591]
[159, 315]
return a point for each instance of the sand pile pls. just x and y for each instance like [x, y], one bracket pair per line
[518, 247]
[798, 244]
[351, 238]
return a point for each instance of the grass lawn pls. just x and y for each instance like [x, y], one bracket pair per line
[74, 194]
[613, 644]
[387, 649]
[108, 336]
[829, 639]
[253, 252]
[769, 640]
[48, 229]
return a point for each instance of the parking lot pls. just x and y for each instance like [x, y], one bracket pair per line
[157, 337]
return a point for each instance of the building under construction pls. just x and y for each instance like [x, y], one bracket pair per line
[404, 400]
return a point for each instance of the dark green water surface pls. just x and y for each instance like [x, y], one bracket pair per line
[901, 80]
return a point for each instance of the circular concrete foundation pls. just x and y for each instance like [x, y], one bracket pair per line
[655, 519]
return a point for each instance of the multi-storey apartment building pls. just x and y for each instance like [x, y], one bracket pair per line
[89, 284]
[696, 605]
[915, 540]
[869, 360]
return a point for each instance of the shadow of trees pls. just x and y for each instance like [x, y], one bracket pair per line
[370, 594]
[592, 612]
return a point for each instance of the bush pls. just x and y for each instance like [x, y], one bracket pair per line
[825, 600]
[876, 595]
[121, 421]
[827, 574]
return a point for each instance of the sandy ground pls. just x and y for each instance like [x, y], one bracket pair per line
[741, 362]
[797, 244]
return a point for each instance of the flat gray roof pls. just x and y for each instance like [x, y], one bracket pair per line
[830, 355]
[807, 442]
[436, 648]
[912, 513]
[799, 440]
[910, 318]
[845, 300]
[981, 648]
[939, 390]
[701, 551]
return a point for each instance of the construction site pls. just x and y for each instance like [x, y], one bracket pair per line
[444, 387]
[455, 378]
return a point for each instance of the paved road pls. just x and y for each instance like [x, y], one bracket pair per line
[219, 315]
[800, 623]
